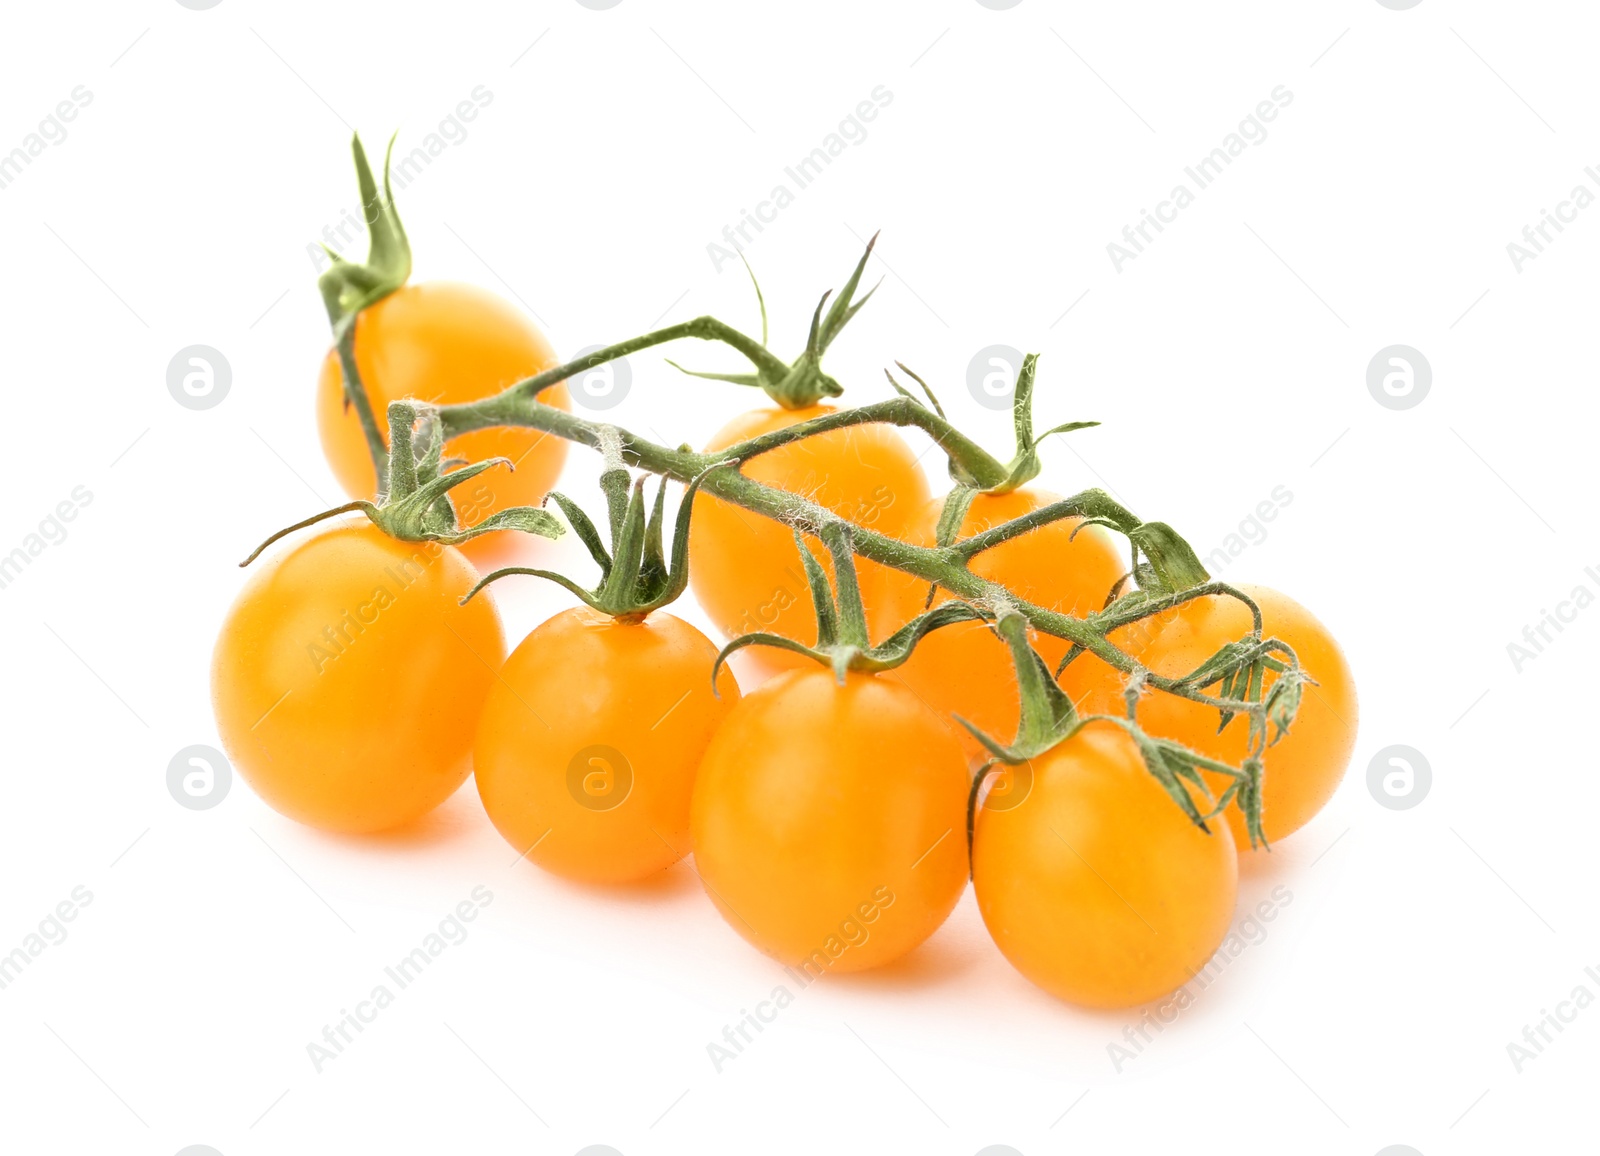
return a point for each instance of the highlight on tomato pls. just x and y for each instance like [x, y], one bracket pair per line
[748, 574]
[1303, 769]
[588, 745]
[1095, 872]
[439, 342]
[829, 808]
[347, 677]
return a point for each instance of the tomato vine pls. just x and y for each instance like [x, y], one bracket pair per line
[1164, 571]
[1161, 555]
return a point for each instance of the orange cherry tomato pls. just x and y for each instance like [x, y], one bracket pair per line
[347, 681]
[1300, 772]
[745, 570]
[829, 821]
[1093, 882]
[447, 343]
[588, 746]
[965, 669]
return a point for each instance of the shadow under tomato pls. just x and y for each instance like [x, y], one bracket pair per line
[1264, 865]
[670, 883]
[938, 960]
[458, 819]
[1290, 855]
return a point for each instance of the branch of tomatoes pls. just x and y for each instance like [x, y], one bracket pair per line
[519, 405]
[1165, 571]
[944, 566]
[1239, 669]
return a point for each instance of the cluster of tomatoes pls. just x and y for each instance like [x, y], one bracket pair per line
[360, 678]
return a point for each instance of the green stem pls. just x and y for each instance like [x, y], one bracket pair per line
[900, 411]
[943, 566]
[356, 393]
[1089, 504]
[504, 407]
[1112, 620]
[1177, 574]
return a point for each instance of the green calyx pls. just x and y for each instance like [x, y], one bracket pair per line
[842, 641]
[801, 383]
[636, 577]
[1171, 565]
[1025, 465]
[347, 287]
[1047, 716]
[1239, 670]
[417, 507]
[1048, 719]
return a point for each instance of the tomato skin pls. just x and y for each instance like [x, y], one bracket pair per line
[347, 681]
[966, 669]
[745, 570]
[1095, 885]
[1304, 768]
[447, 343]
[831, 819]
[584, 680]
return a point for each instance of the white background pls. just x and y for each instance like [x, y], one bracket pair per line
[1226, 360]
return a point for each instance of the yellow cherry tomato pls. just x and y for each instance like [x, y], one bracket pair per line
[588, 746]
[446, 343]
[1304, 768]
[347, 680]
[1093, 882]
[829, 821]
